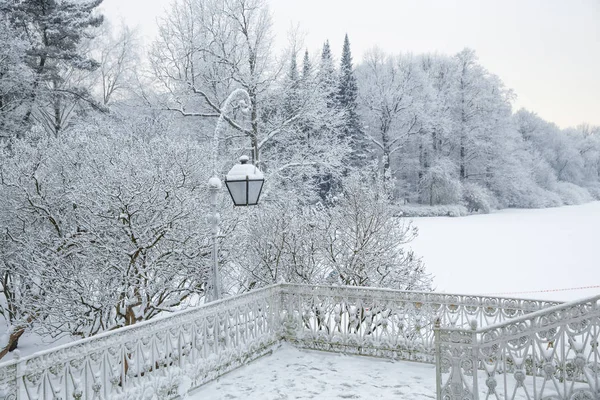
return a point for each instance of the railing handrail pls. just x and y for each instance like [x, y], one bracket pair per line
[199, 309]
[139, 325]
[236, 298]
[535, 314]
[217, 337]
[428, 293]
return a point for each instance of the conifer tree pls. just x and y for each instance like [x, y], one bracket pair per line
[292, 88]
[327, 76]
[54, 31]
[346, 100]
[306, 67]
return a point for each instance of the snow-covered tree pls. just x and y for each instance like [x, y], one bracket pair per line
[346, 100]
[391, 98]
[16, 80]
[118, 56]
[356, 240]
[365, 243]
[54, 31]
[327, 75]
[101, 228]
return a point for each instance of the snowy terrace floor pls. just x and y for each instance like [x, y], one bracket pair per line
[291, 373]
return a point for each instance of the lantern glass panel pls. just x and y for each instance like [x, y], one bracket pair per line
[237, 190]
[254, 189]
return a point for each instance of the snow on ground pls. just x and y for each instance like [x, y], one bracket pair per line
[31, 342]
[290, 373]
[513, 251]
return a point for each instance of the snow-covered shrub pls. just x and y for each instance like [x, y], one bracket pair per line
[572, 194]
[536, 197]
[416, 210]
[543, 174]
[100, 208]
[594, 191]
[523, 192]
[364, 244]
[281, 241]
[356, 240]
[439, 184]
[477, 198]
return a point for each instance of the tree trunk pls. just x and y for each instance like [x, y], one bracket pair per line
[13, 341]
[254, 124]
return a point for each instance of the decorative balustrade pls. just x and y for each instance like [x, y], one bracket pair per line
[155, 359]
[386, 323]
[165, 357]
[549, 354]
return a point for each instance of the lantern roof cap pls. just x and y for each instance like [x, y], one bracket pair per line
[243, 170]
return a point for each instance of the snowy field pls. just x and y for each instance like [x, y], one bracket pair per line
[513, 251]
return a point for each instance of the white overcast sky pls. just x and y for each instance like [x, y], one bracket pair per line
[547, 51]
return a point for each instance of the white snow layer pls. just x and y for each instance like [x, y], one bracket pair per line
[514, 251]
[290, 373]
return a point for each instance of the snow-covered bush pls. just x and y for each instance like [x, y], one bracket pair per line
[477, 198]
[440, 185]
[356, 240]
[280, 241]
[572, 194]
[365, 245]
[594, 191]
[534, 197]
[101, 228]
[416, 210]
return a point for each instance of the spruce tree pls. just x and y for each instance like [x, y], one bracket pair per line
[292, 96]
[306, 67]
[54, 30]
[346, 100]
[327, 76]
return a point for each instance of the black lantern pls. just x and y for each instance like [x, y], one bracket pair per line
[244, 183]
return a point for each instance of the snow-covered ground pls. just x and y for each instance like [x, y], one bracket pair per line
[290, 373]
[513, 251]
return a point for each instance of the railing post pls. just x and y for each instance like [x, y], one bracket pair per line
[17, 358]
[475, 357]
[438, 358]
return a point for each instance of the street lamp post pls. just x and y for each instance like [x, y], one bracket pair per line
[214, 185]
[244, 183]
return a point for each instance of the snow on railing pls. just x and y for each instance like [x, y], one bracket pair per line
[549, 354]
[155, 359]
[386, 323]
[164, 357]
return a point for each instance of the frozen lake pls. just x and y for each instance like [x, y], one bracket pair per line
[511, 252]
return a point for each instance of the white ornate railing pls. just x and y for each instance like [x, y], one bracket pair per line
[386, 323]
[549, 354]
[154, 359]
[171, 355]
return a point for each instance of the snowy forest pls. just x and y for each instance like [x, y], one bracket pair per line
[106, 143]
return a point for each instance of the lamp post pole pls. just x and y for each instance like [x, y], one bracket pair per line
[214, 185]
